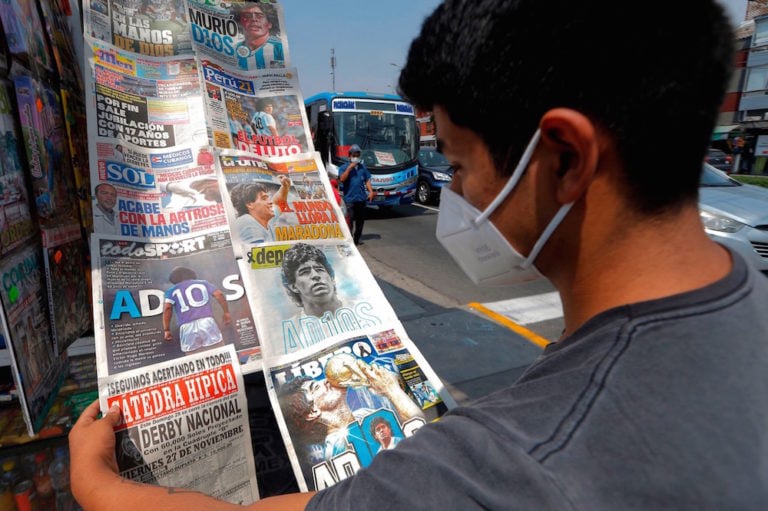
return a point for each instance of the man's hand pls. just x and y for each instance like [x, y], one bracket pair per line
[371, 195]
[92, 448]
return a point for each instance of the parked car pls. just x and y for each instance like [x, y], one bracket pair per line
[735, 214]
[719, 159]
[434, 172]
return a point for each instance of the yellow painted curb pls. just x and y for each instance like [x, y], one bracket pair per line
[539, 341]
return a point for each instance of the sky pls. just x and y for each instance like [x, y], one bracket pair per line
[370, 39]
[736, 8]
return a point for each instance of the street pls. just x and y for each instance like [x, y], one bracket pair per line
[450, 319]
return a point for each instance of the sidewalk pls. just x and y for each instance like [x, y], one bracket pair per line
[473, 352]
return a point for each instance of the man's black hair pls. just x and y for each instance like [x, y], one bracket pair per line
[294, 257]
[243, 194]
[652, 77]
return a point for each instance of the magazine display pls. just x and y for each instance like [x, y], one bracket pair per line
[344, 402]
[25, 36]
[185, 424]
[160, 301]
[157, 28]
[45, 136]
[37, 372]
[243, 34]
[296, 202]
[69, 304]
[16, 225]
[261, 112]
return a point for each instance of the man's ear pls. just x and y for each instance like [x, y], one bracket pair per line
[571, 138]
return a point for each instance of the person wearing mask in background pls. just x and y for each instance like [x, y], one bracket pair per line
[356, 184]
[655, 396]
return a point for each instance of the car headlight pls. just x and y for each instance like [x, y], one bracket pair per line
[720, 223]
[441, 176]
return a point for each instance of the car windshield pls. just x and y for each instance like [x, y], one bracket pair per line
[433, 159]
[710, 176]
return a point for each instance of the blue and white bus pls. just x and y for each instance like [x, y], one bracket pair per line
[383, 125]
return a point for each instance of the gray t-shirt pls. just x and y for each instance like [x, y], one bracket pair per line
[657, 405]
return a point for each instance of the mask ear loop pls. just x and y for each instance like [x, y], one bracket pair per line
[522, 165]
[546, 234]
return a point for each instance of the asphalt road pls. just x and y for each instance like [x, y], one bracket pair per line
[471, 352]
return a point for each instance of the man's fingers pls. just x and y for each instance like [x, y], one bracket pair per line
[90, 413]
[113, 415]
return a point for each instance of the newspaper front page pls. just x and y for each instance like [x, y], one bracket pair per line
[185, 424]
[261, 112]
[156, 302]
[347, 399]
[303, 293]
[241, 34]
[157, 28]
[148, 147]
[296, 200]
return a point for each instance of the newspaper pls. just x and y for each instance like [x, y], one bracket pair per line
[37, 372]
[157, 28]
[185, 424]
[303, 293]
[296, 200]
[148, 142]
[261, 112]
[155, 302]
[243, 34]
[16, 225]
[347, 399]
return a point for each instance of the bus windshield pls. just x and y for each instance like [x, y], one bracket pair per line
[387, 139]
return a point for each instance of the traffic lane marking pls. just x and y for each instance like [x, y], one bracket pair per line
[505, 321]
[530, 309]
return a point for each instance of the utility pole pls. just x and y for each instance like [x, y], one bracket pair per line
[333, 69]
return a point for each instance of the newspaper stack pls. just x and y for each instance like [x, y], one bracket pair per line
[215, 225]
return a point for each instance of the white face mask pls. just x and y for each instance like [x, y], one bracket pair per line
[476, 244]
[355, 159]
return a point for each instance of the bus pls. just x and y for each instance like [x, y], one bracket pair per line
[383, 125]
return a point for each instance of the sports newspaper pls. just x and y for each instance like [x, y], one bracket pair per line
[184, 424]
[147, 295]
[219, 249]
[303, 204]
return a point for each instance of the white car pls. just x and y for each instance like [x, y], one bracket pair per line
[735, 214]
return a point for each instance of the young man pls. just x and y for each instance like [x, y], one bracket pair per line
[655, 397]
[356, 180]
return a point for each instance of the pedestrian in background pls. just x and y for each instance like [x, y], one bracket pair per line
[356, 182]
